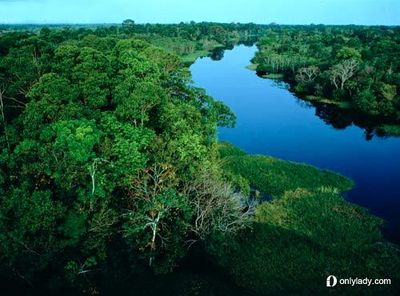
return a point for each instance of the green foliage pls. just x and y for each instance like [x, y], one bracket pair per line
[356, 66]
[274, 177]
[134, 102]
[226, 149]
[74, 227]
[366, 102]
[239, 183]
[110, 159]
[76, 139]
[92, 114]
[304, 234]
[389, 129]
[157, 227]
[28, 225]
[303, 237]
[348, 53]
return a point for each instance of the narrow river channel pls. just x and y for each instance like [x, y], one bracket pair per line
[272, 121]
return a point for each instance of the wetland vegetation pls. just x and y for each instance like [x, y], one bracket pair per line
[111, 173]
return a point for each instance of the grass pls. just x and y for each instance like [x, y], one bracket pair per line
[301, 238]
[192, 57]
[273, 176]
[187, 50]
[343, 105]
[274, 76]
[307, 232]
[252, 67]
[226, 149]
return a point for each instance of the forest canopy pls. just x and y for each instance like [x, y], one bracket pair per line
[101, 147]
[111, 172]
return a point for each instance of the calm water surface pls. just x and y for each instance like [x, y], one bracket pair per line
[272, 121]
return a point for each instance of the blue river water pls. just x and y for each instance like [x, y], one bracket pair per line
[273, 121]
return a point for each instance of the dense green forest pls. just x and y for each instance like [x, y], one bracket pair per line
[111, 173]
[351, 67]
[188, 40]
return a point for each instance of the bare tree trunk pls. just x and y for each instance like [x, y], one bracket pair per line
[335, 83]
[153, 225]
[92, 175]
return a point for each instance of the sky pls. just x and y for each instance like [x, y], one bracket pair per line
[363, 12]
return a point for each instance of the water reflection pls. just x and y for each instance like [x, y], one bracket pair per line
[217, 54]
[273, 121]
[339, 118]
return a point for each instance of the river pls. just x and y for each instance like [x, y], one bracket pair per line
[273, 121]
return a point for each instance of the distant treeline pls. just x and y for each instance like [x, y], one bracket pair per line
[351, 67]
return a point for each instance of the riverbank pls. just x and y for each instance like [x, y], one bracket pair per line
[273, 177]
[384, 129]
[344, 73]
[305, 233]
[271, 120]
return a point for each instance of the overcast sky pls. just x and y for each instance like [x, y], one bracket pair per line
[369, 12]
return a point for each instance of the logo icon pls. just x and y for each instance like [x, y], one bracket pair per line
[331, 281]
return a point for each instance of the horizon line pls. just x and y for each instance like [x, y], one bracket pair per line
[188, 22]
